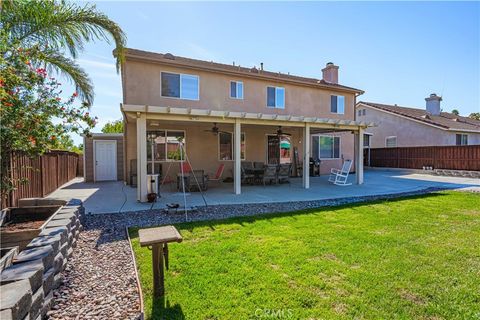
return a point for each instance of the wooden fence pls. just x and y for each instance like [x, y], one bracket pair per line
[437, 157]
[39, 176]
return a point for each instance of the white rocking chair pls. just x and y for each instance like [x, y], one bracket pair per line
[339, 176]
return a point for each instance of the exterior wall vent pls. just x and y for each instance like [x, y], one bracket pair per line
[169, 56]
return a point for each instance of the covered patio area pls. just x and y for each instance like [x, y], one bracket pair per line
[159, 139]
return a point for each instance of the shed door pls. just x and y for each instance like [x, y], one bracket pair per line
[105, 160]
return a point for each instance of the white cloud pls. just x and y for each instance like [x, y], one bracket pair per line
[96, 64]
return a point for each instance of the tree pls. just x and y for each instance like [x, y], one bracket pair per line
[65, 142]
[455, 112]
[113, 127]
[54, 27]
[29, 104]
[475, 115]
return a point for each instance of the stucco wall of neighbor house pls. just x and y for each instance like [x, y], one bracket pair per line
[89, 160]
[409, 133]
[202, 147]
[141, 81]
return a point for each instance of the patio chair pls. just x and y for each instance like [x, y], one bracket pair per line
[200, 177]
[247, 165]
[339, 176]
[258, 165]
[247, 177]
[284, 172]
[218, 175]
[270, 174]
[185, 166]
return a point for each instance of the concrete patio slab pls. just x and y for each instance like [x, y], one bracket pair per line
[110, 197]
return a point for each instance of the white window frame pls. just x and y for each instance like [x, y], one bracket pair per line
[166, 153]
[328, 136]
[390, 137]
[181, 74]
[334, 95]
[461, 139]
[233, 147]
[236, 85]
[369, 139]
[276, 105]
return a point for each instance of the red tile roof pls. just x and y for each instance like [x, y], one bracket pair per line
[445, 120]
[176, 60]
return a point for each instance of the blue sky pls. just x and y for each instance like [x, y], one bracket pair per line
[397, 52]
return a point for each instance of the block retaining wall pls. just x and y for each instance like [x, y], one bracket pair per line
[27, 285]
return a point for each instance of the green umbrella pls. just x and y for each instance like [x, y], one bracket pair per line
[285, 145]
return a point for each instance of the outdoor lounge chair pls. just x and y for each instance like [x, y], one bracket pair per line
[284, 171]
[340, 176]
[270, 174]
[218, 174]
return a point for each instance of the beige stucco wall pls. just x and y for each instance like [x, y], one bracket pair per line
[89, 160]
[141, 82]
[409, 133]
[202, 147]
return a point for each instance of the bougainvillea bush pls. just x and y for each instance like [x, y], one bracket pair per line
[33, 114]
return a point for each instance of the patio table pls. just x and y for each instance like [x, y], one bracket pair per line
[158, 239]
[257, 172]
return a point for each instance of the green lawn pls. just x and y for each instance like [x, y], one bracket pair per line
[412, 258]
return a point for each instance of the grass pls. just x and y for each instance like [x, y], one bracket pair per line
[411, 258]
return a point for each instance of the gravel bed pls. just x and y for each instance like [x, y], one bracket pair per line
[100, 278]
[99, 281]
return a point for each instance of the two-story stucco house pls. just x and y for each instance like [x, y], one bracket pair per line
[219, 111]
[398, 126]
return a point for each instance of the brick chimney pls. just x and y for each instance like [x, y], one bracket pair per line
[433, 104]
[330, 73]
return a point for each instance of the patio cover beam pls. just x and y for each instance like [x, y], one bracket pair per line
[219, 116]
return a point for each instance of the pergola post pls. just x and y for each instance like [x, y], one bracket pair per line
[306, 156]
[359, 156]
[237, 175]
[141, 157]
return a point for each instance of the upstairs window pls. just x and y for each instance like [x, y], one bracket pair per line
[337, 104]
[391, 142]
[182, 86]
[462, 139]
[236, 89]
[276, 97]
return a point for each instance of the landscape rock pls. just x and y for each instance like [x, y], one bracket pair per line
[37, 302]
[45, 254]
[31, 271]
[15, 300]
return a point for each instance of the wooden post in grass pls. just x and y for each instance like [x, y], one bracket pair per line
[158, 239]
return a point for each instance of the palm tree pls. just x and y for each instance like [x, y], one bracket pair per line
[58, 31]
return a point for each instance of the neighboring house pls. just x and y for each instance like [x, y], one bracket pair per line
[219, 110]
[398, 126]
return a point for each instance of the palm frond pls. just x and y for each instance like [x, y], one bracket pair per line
[56, 62]
[59, 25]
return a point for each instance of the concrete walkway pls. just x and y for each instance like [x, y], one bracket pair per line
[109, 197]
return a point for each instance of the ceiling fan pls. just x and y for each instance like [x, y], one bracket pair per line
[215, 129]
[281, 133]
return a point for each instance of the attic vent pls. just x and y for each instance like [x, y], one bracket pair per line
[426, 116]
[254, 70]
[169, 56]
